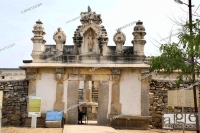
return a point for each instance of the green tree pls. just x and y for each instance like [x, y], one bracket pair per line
[183, 57]
[178, 56]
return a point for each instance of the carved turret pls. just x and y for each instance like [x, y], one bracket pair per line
[139, 41]
[38, 40]
[60, 39]
[119, 39]
[90, 38]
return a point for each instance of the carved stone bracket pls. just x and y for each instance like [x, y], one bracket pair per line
[115, 71]
[60, 70]
[32, 74]
[115, 95]
[61, 77]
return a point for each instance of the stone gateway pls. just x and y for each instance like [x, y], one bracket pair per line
[104, 80]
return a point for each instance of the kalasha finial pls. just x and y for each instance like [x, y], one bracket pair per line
[119, 30]
[89, 9]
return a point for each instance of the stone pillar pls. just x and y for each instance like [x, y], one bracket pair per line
[72, 100]
[103, 103]
[32, 87]
[60, 77]
[88, 91]
[115, 104]
[115, 93]
[144, 94]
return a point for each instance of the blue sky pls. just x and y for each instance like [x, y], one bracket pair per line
[16, 27]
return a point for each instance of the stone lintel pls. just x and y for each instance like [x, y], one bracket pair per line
[115, 71]
[75, 76]
[60, 70]
[82, 65]
[72, 70]
[100, 77]
[89, 77]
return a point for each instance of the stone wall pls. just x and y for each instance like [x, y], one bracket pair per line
[158, 102]
[14, 106]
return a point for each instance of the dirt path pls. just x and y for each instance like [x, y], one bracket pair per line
[59, 130]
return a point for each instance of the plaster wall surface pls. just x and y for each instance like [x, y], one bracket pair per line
[46, 89]
[130, 92]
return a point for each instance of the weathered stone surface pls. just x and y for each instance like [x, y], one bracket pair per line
[145, 98]
[4, 120]
[53, 124]
[158, 103]
[16, 123]
[115, 105]
[72, 100]
[13, 108]
[103, 103]
[132, 123]
[59, 104]
[15, 117]
[20, 87]
[8, 87]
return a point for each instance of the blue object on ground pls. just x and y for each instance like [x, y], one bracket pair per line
[54, 115]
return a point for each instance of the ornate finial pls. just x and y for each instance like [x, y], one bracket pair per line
[119, 37]
[60, 39]
[89, 9]
[119, 30]
[39, 22]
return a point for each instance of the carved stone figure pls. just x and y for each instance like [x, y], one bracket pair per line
[119, 39]
[89, 9]
[60, 39]
[90, 41]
